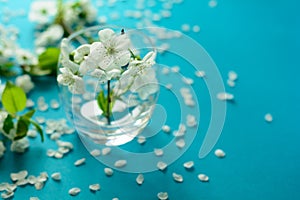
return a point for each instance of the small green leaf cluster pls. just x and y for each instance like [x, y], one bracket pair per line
[16, 125]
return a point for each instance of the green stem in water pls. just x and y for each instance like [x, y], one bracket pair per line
[108, 102]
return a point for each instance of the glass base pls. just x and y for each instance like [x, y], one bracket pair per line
[127, 123]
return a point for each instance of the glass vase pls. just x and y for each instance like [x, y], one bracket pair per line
[110, 111]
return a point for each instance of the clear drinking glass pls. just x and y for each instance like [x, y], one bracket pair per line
[129, 114]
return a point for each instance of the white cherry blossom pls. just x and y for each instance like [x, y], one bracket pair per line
[74, 83]
[42, 12]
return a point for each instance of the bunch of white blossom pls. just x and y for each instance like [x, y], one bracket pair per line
[55, 19]
[10, 52]
[110, 58]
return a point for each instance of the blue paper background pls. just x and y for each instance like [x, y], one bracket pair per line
[260, 40]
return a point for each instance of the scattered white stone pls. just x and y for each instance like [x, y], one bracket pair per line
[61, 143]
[165, 70]
[162, 195]
[268, 117]
[115, 198]
[180, 143]
[232, 75]
[181, 131]
[7, 194]
[22, 182]
[120, 163]
[79, 162]
[212, 3]
[203, 177]
[56, 176]
[95, 152]
[187, 81]
[191, 120]
[106, 151]
[32, 179]
[177, 177]
[175, 69]
[39, 185]
[94, 187]
[108, 171]
[161, 165]
[32, 133]
[225, 96]
[220, 153]
[169, 86]
[51, 152]
[58, 155]
[54, 104]
[166, 129]
[140, 179]
[29, 103]
[40, 119]
[200, 74]
[185, 27]
[230, 83]
[34, 198]
[74, 191]
[55, 136]
[19, 175]
[196, 28]
[188, 165]
[158, 152]
[141, 139]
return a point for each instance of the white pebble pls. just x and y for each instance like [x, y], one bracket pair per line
[165, 70]
[268, 117]
[120, 163]
[40, 120]
[7, 194]
[39, 185]
[79, 162]
[175, 69]
[106, 151]
[225, 96]
[230, 83]
[94, 187]
[203, 177]
[169, 86]
[191, 120]
[140, 179]
[196, 28]
[54, 104]
[56, 176]
[51, 152]
[212, 3]
[180, 143]
[19, 175]
[177, 177]
[232, 75]
[58, 155]
[32, 133]
[162, 195]
[22, 182]
[29, 103]
[95, 152]
[219, 153]
[161, 165]
[108, 171]
[185, 27]
[141, 139]
[200, 74]
[74, 191]
[187, 81]
[188, 165]
[158, 152]
[166, 129]
[34, 198]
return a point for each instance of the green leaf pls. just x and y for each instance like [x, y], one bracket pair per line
[38, 128]
[29, 114]
[22, 128]
[8, 124]
[13, 98]
[102, 102]
[49, 58]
